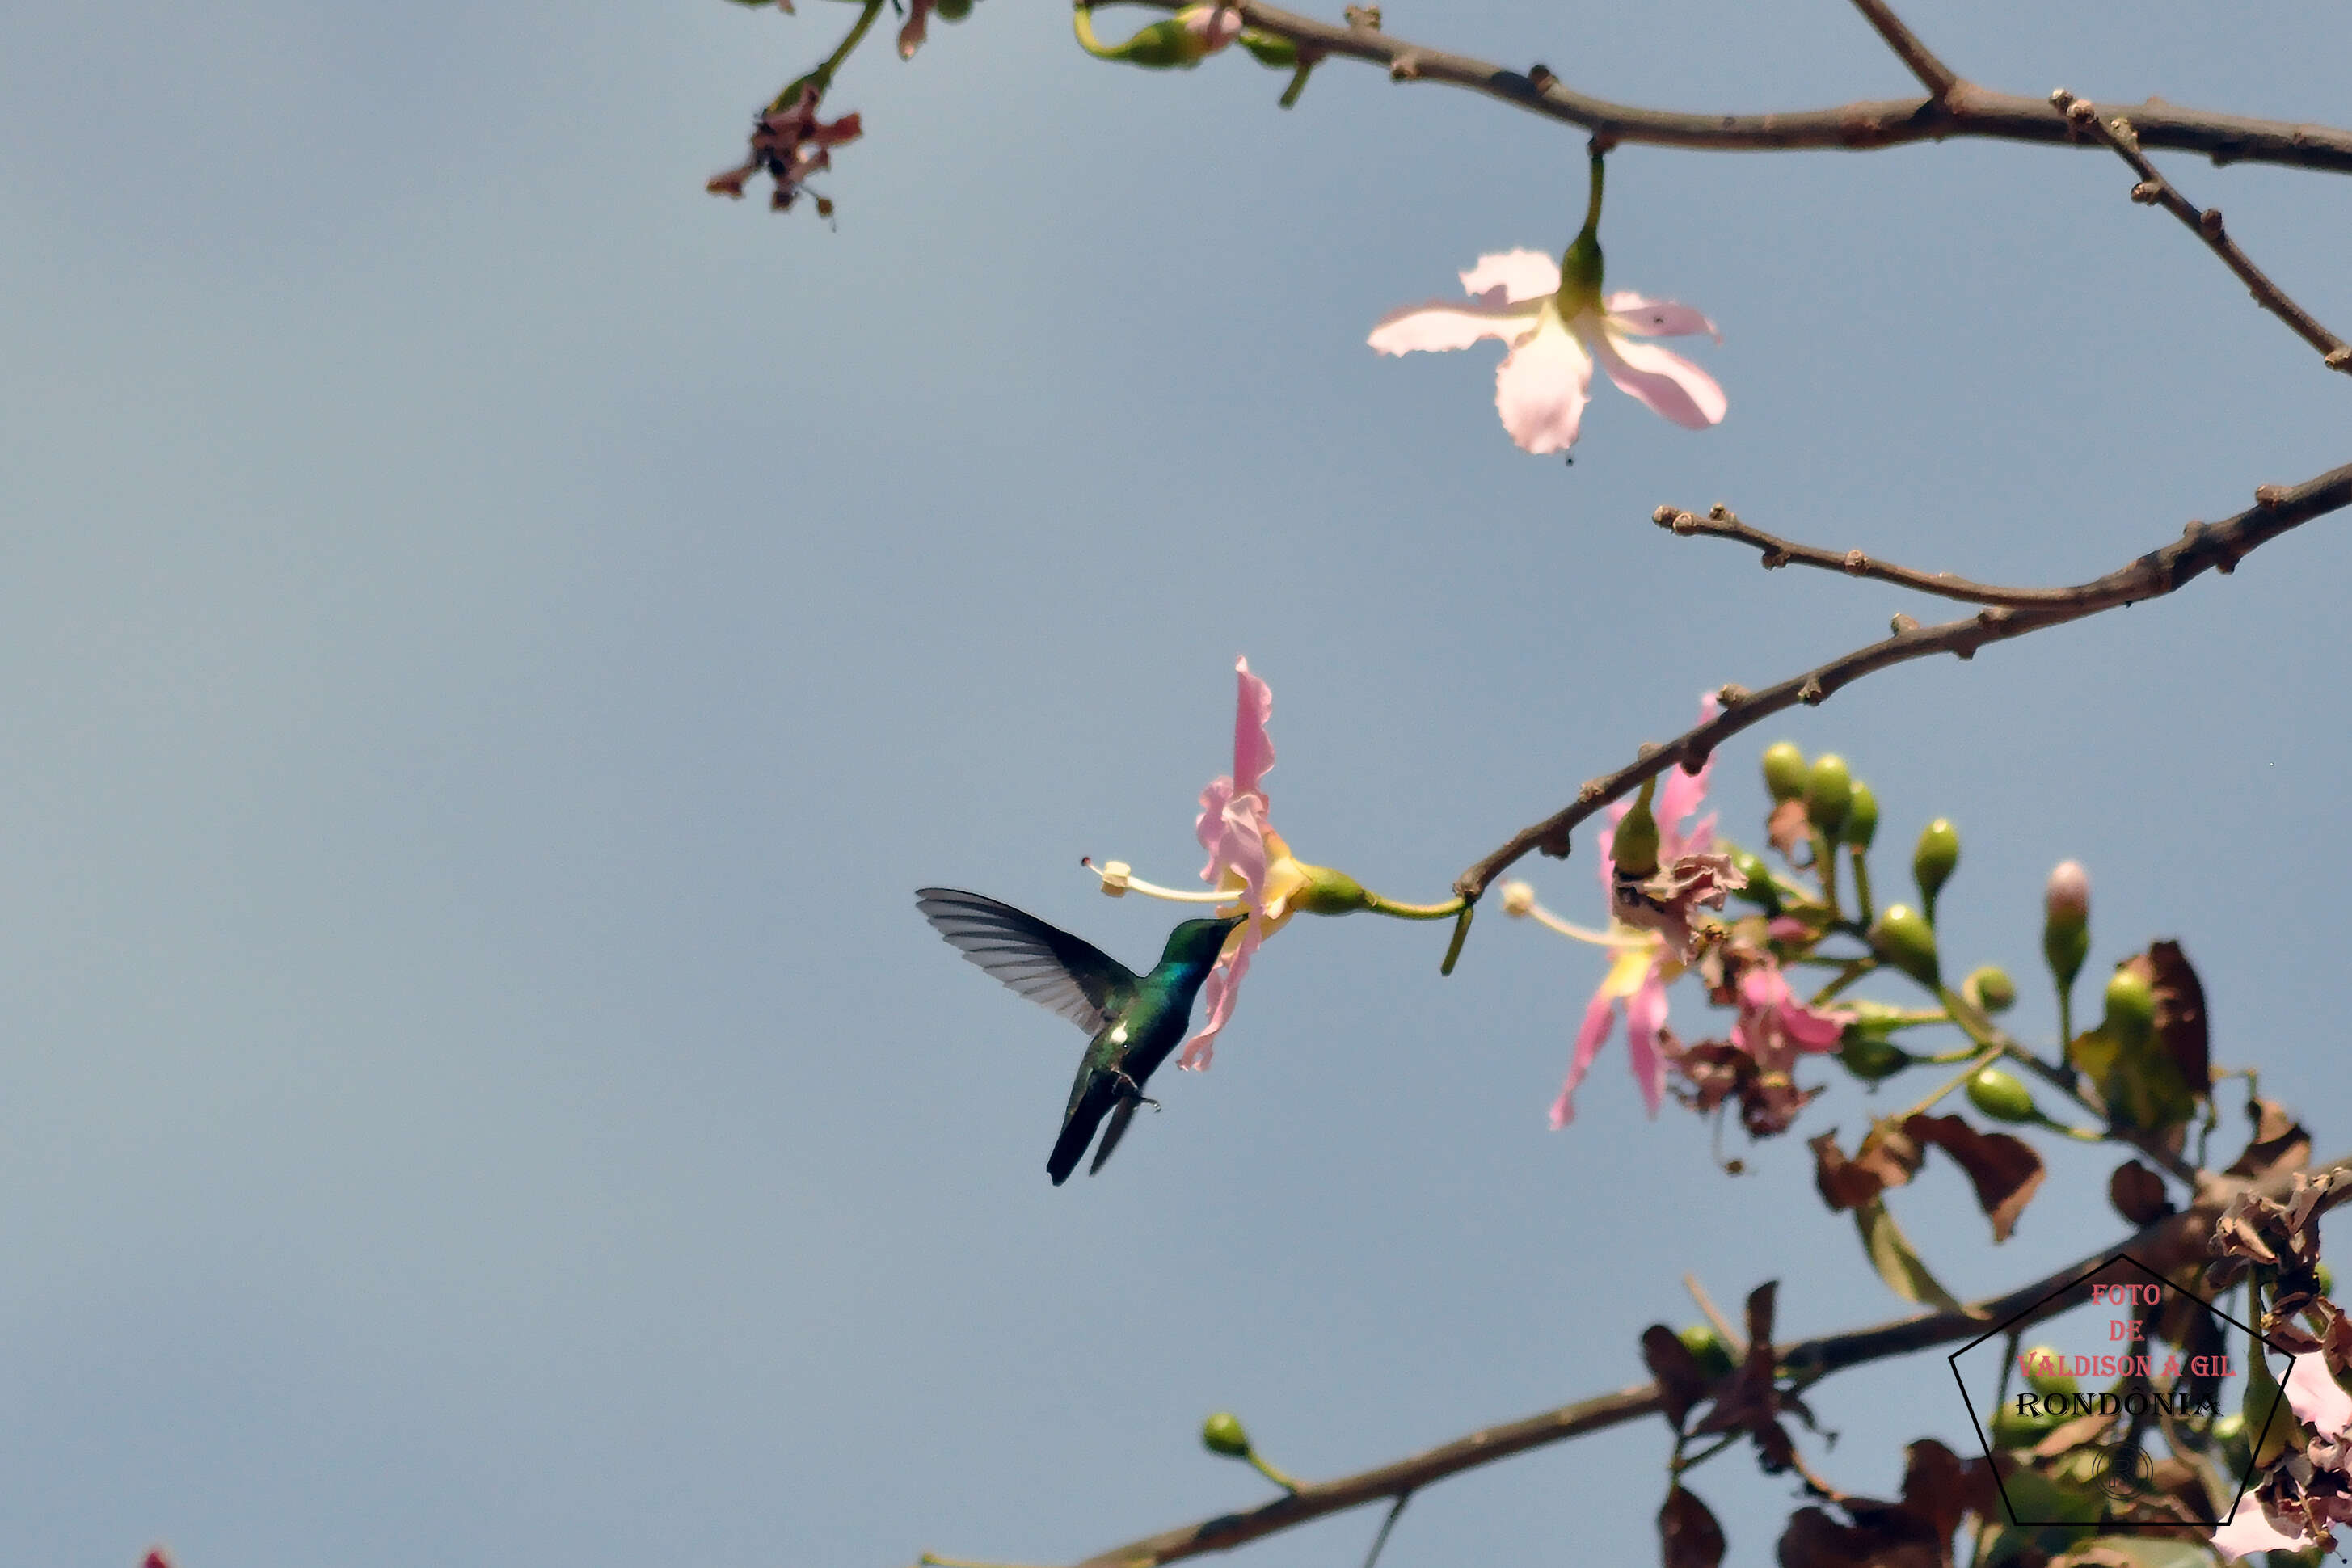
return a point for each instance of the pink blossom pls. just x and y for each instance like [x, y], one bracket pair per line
[1246, 857]
[1543, 382]
[1645, 962]
[1774, 1027]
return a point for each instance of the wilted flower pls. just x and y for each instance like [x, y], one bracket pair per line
[791, 144]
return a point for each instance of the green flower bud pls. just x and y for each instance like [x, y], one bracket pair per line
[1223, 1434]
[2000, 1096]
[1761, 890]
[2011, 1430]
[1932, 862]
[2045, 1370]
[1784, 770]
[1159, 47]
[951, 10]
[1829, 795]
[1907, 941]
[1707, 1348]
[2066, 921]
[1634, 846]
[2326, 1280]
[2131, 1009]
[1871, 1058]
[2229, 1428]
[1991, 988]
[1861, 819]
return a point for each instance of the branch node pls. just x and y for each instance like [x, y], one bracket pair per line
[1773, 559]
[1903, 626]
[2208, 223]
[2271, 495]
[1365, 16]
[1592, 790]
[1645, 750]
[1812, 694]
[1664, 516]
[2339, 358]
[1733, 695]
[1856, 562]
[1404, 68]
[2147, 192]
[1540, 77]
[1686, 524]
[1719, 512]
[1694, 759]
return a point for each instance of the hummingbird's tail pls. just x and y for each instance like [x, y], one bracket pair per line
[1078, 1130]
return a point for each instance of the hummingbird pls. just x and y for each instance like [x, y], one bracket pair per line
[1135, 1019]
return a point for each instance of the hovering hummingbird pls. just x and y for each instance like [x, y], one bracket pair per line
[1135, 1019]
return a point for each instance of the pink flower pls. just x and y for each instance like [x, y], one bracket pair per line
[791, 144]
[1645, 961]
[2311, 1488]
[1774, 1027]
[1246, 857]
[1545, 381]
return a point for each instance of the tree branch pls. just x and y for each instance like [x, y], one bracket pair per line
[2169, 1243]
[2201, 547]
[1965, 109]
[2154, 189]
[1934, 75]
[1721, 524]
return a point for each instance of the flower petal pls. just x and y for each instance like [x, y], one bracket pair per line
[1232, 829]
[1439, 326]
[1217, 992]
[1675, 389]
[1214, 26]
[1599, 1013]
[2253, 1531]
[1681, 793]
[1519, 274]
[2316, 1398]
[1252, 750]
[1645, 1014]
[1631, 312]
[1541, 389]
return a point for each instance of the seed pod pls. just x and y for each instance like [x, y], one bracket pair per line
[1861, 819]
[1223, 1434]
[1784, 770]
[1871, 1058]
[1991, 988]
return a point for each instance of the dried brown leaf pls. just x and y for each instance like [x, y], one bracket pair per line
[2280, 1144]
[1681, 1383]
[1688, 1536]
[2004, 1169]
[2138, 1193]
[2180, 1014]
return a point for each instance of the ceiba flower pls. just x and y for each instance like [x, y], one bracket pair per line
[1558, 323]
[1251, 869]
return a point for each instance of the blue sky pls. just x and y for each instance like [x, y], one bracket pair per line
[492, 637]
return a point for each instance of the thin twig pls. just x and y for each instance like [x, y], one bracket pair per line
[2153, 189]
[2201, 547]
[1934, 75]
[2171, 1243]
[1721, 524]
[1371, 1558]
[1967, 109]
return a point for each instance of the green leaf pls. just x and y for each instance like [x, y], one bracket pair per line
[1891, 1254]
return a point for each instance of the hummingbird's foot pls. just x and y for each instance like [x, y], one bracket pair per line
[1134, 1089]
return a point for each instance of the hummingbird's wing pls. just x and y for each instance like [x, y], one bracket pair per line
[1065, 973]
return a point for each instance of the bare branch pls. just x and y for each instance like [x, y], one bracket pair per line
[1965, 109]
[2171, 1243]
[1720, 524]
[2201, 547]
[2119, 133]
[1934, 75]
